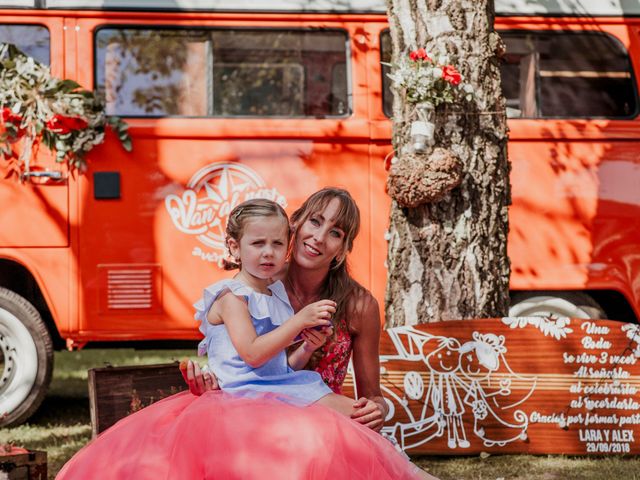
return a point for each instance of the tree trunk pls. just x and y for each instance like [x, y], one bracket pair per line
[448, 259]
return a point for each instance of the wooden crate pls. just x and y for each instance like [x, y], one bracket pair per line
[31, 465]
[115, 392]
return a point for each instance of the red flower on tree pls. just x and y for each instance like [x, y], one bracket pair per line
[62, 125]
[420, 54]
[451, 75]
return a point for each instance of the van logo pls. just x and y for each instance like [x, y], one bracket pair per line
[203, 208]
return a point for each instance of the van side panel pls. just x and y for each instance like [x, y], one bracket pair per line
[146, 254]
[140, 234]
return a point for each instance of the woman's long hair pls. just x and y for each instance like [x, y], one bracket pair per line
[338, 286]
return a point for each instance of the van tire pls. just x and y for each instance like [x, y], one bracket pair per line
[559, 304]
[27, 359]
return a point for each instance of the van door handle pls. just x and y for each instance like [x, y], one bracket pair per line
[43, 176]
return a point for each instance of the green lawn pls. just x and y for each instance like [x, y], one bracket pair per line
[62, 426]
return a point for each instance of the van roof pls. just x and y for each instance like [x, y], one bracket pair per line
[503, 7]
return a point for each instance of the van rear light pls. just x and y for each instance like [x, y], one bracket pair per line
[129, 287]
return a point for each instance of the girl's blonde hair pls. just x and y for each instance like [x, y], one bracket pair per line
[338, 286]
[257, 207]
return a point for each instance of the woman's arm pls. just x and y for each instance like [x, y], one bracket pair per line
[256, 349]
[371, 409]
[198, 380]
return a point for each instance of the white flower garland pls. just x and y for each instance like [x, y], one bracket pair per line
[37, 108]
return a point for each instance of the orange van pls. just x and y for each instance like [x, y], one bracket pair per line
[276, 100]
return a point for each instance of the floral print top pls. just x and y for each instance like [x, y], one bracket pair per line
[335, 359]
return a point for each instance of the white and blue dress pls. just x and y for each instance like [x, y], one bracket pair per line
[275, 376]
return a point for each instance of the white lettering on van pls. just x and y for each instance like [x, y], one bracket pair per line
[204, 206]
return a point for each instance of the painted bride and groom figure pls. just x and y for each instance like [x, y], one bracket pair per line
[463, 376]
[255, 427]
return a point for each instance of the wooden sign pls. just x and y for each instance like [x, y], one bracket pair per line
[115, 392]
[513, 385]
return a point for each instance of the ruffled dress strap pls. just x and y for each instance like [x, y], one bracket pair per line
[281, 306]
[257, 304]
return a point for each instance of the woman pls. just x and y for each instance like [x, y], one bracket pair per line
[324, 229]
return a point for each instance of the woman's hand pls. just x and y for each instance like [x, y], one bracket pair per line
[314, 339]
[369, 413]
[198, 381]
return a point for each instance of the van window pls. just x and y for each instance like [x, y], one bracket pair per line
[34, 40]
[556, 75]
[385, 58]
[567, 74]
[223, 72]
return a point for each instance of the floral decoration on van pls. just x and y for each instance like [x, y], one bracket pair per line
[425, 79]
[37, 108]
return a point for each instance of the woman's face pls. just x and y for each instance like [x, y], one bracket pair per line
[318, 240]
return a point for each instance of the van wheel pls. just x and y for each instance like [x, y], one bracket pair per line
[26, 359]
[559, 304]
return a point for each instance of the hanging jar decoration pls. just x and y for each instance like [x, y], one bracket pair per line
[423, 173]
[423, 129]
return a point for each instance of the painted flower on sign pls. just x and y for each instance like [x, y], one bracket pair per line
[37, 108]
[425, 79]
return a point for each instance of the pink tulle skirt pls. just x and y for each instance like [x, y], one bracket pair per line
[217, 436]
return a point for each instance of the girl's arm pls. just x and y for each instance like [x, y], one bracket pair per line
[256, 349]
[312, 340]
[371, 409]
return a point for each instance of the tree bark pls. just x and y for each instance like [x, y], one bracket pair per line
[448, 259]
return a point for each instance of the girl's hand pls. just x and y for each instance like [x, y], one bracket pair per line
[316, 314]
[314, 339]
[368, 413]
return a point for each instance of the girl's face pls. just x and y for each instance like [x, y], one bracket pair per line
[262, 249]
[318, 240]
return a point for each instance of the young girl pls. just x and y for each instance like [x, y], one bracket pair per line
[248, 321]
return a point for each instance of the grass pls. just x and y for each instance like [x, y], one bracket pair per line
[62, 426]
